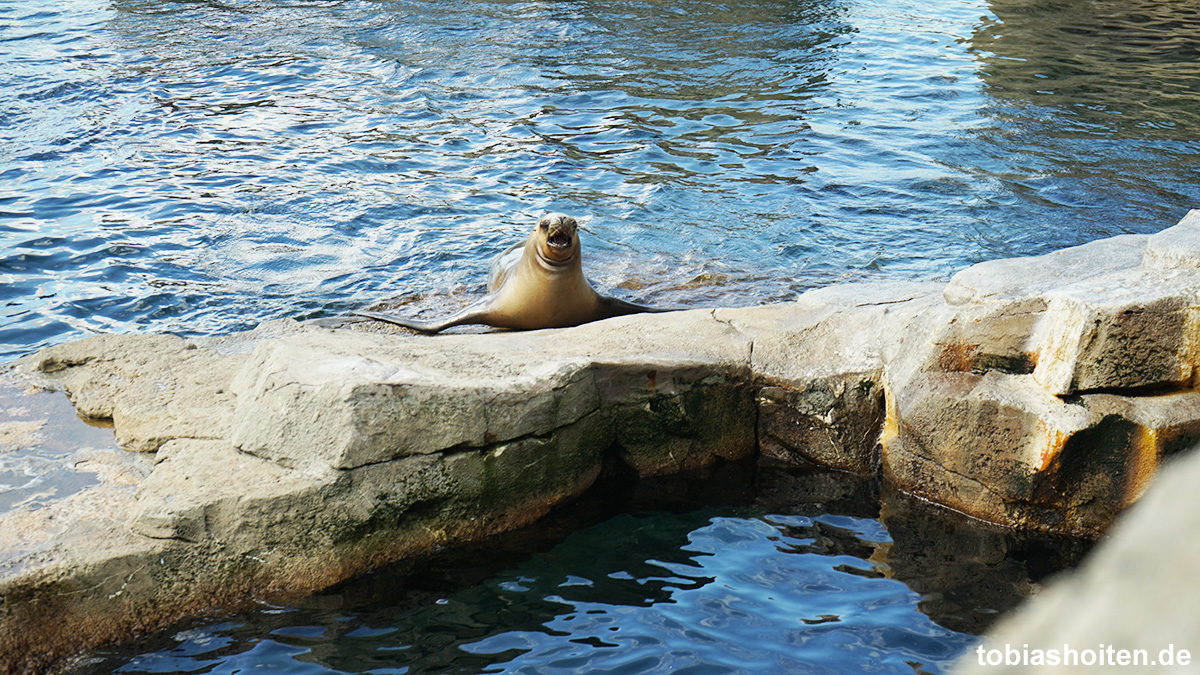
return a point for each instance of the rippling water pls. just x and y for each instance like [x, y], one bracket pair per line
[781, 573]
[202, 165]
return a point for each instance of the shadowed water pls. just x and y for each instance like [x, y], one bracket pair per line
[754, 569]
[202, 165]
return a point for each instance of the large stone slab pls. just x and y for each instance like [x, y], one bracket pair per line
[210, 527]
[347, 399]
[339, 481]
[153, 387]
[1010, 279]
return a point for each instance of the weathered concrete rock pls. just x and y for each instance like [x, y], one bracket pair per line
[1129, 329]
[1004, 368]
[1118, 313]
[337, 451]
[818, 365]
[1132, 599]
[212, 527]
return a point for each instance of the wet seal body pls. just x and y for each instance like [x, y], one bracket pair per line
[535, 284]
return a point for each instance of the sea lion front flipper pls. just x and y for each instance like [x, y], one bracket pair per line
[610, 307]
[476, 312]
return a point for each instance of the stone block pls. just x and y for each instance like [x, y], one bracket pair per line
[1128, 330]
[1030, 277]
[346, 411]
[345, 400]
[1176, 247]
[1001, 448]
[996, 430]
[832, 422]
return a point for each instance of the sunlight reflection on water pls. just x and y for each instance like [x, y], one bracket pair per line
[202, 166]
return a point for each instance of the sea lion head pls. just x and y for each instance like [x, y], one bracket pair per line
[556, 239]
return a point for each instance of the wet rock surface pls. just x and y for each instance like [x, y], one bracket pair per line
[1039, 393]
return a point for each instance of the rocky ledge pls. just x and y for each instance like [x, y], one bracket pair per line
[1038, 393]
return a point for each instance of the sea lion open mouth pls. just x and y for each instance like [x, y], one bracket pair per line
[559, 239]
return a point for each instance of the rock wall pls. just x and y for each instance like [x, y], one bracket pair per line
[1043, 392]
[1129, 608]
[1040, 393]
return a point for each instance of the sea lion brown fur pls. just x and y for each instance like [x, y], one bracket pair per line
[537, 284]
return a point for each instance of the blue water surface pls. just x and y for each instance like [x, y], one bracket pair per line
[750, 568]
[199, 166]
[712, 591]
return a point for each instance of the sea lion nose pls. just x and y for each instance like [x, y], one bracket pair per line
[557, 219]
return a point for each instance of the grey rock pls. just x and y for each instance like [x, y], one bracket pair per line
[1176, 247]
[1135, 592]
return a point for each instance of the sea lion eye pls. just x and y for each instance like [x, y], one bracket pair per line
[544, 225]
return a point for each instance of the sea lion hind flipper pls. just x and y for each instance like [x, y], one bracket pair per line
[414, 324]
[610, 307]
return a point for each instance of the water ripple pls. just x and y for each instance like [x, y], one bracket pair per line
[744, 594]
[203, 166]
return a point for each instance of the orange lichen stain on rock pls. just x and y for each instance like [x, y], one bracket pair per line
[891, 424]
[957, 357]
[1141, 464]
[1056, 440]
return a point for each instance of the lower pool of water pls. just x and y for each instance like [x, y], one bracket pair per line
[744, 569]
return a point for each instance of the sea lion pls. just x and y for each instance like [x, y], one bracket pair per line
[535, 284]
